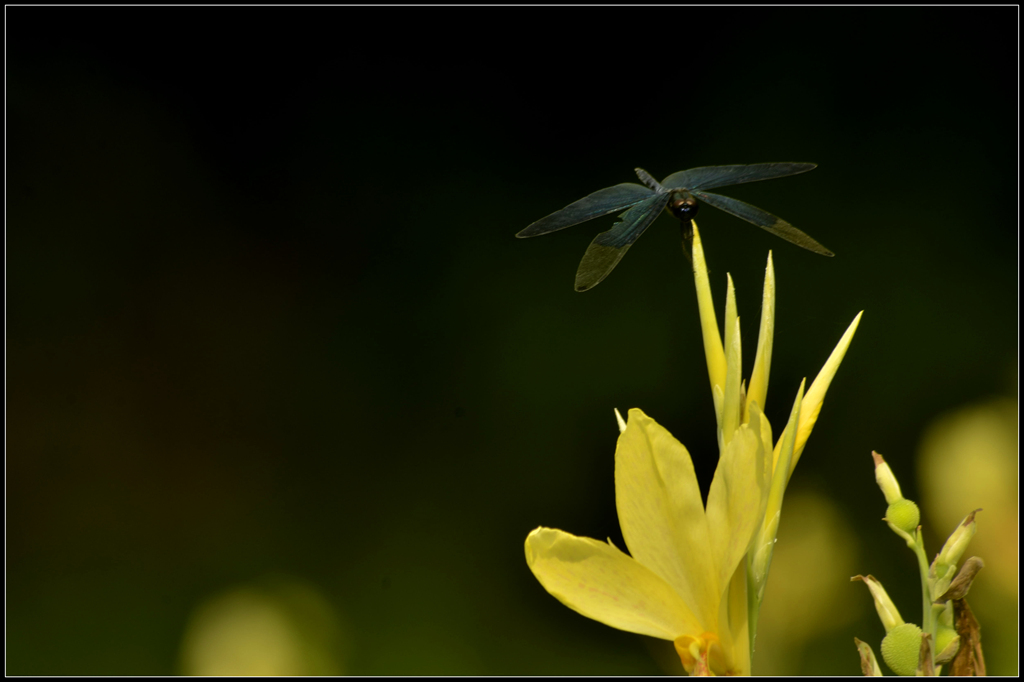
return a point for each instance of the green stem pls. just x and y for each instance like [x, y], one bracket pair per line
[927, 612]
[753, 608]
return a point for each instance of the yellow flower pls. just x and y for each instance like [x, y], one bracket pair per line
[696, 575]
[677, 583]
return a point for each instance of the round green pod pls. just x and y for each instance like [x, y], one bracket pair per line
[903, 514]
[901, 649]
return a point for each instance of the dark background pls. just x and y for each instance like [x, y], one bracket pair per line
[267, 317]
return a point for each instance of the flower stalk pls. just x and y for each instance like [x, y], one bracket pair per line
[908, 649]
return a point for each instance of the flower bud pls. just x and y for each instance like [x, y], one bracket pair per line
[957, 542]
[887, 611]
[886, 480]
[943, 568]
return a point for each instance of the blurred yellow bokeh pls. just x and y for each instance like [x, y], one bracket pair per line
[808, 593]
[968, 460]
[273, 627]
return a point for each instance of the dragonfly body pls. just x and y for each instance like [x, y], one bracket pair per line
[637, 206]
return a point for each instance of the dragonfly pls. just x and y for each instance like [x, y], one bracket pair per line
[677, 194]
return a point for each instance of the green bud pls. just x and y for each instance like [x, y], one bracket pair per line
[903, 514]
[957, 542]
[886, 480]
[901, 649]
[947, 643]
[887, 611]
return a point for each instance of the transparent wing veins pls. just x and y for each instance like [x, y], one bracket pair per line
[608, 248]
[764, 220]
[601, 203]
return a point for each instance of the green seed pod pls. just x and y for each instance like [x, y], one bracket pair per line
[901, 649]
[903, 514]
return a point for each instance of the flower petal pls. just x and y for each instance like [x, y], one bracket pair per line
[713, 350]
[758, 390]
[621, 422]
[764, 542]
[735, 500]
[662, 514]
[734, 628]
[816, 393]
[734, 366]
[601, 582]
[729, 321]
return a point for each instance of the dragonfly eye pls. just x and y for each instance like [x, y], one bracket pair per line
[684, 209]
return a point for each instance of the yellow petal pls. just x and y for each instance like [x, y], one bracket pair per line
[662, 514]
[760, 422]
[735, 500]
[816, 393]
[600, 582]
[621, 422]
[784, 454]
[763, 544]
[734, 366]
[734, 628]
[729, 321]
[758, 390]
[708, 322]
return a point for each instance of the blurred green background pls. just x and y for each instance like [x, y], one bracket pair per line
[286, 396]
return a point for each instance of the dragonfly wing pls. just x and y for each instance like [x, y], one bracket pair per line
[708, 177]
[600, 203]
[764, 220]
[608, 248]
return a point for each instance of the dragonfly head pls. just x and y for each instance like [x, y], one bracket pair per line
[683, 206]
